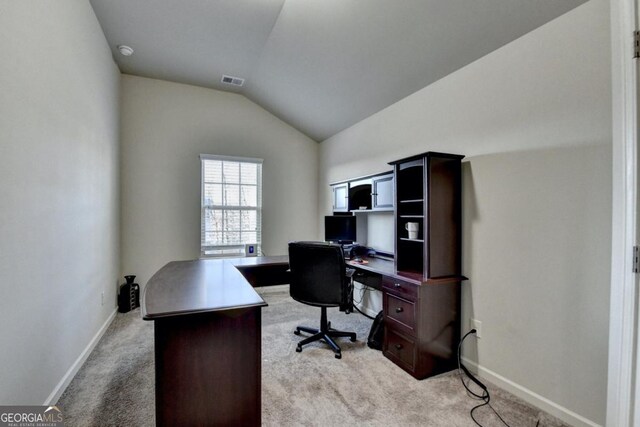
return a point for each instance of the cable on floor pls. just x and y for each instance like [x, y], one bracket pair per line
[485, 396]
[363, 290]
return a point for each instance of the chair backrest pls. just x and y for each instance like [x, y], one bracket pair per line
[317, 274]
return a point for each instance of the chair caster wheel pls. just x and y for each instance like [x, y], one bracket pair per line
[299, 349]
[296, 332]
[353, 339]
[338, 355]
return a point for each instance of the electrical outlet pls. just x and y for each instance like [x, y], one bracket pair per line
[102, 298]
[477, 325]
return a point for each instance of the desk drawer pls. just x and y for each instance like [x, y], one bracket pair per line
[401, 350]
[400, 287]
[401, 311]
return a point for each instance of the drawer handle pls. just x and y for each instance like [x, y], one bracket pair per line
[398, 346]
[397, 285]
[399, 310]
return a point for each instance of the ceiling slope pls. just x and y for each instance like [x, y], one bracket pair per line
[320, 65]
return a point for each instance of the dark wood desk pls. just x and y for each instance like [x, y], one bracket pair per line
[422, 317]
[374, 270]
[208, 332]
[207, 335]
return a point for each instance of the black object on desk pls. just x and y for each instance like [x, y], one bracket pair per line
[340, 228]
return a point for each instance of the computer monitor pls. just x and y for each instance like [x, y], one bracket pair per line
[340, 228]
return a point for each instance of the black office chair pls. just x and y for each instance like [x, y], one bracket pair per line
[319, 278]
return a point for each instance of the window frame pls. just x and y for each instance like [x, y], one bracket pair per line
[230, 250]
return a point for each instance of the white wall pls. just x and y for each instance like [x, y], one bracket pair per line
[373, 230]
[534, 120]
[165, 126]
[59, 191]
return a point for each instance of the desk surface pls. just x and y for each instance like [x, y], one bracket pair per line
[386, 268]
[188, 287]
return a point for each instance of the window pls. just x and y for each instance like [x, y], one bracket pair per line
[231, 202]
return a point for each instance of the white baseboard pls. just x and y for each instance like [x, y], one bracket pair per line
[530, 397]
[73, 370]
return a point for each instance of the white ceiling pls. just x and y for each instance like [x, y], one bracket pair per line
[319, 65]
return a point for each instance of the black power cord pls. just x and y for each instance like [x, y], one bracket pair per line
[363, 291]
[485, 396]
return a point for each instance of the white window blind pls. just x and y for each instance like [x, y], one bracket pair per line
[231, 214]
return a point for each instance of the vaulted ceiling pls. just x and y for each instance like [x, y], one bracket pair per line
[319, 65]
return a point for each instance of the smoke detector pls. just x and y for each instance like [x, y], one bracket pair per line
[230, 80]
[125, 50]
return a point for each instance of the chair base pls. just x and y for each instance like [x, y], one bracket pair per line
[325, 333]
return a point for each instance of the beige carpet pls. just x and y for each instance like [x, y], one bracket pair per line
[115, 386]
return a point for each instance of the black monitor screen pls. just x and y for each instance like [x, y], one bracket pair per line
[340, 229]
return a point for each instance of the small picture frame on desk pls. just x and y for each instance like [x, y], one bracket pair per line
[250, 249]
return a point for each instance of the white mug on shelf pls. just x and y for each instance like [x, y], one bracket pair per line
[412, 228]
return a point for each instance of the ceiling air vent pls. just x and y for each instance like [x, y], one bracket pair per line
[230, 80]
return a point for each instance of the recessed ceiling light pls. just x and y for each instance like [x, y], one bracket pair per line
[125, 50]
